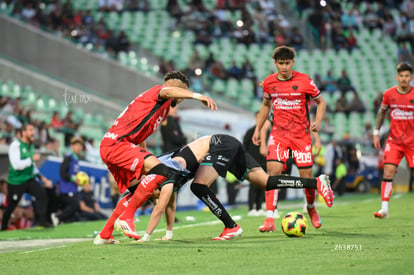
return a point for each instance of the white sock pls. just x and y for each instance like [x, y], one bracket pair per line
[310, 205]
[384, 206]
[269, 214]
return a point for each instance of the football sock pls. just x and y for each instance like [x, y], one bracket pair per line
[209, 198]
[310, 195]
[270, 214]
[282, 181]
[271, 197]
[108, 228]
[386, 190]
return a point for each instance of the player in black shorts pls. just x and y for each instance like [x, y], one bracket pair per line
[204, 160]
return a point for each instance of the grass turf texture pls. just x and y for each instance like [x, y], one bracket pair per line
[350, 240]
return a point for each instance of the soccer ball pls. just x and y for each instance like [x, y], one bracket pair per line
[294, 224]
[82, 178]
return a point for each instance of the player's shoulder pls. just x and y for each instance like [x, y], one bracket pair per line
[391, 90]
[270, 78]
[300, 76]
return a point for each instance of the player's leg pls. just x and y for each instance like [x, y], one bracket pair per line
[205, 176]
[386, 190]
[310, 196]
[271, 196]
[259, 178]
[105, 236]
[393, 154]
[157, 174]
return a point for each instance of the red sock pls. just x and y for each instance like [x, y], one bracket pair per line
[142, 194]
[310, 195]
[271, 197]
[108, 228]
[386, 190]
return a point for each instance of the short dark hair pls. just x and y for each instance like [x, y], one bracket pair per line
[177, 75]
[404, 67]
[283, 53]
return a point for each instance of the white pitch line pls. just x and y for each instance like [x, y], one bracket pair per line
[42, 249]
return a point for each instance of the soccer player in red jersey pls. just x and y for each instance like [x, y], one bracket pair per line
[123, 147]
[400, 101]
[288, 94]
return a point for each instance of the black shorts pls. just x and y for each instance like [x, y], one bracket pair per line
[226, 153]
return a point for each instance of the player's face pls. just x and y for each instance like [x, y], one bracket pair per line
[285, 68]
[404, 78]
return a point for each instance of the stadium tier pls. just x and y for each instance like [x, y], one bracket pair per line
[42, 106]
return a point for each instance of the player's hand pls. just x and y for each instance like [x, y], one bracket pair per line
[376, 141]
[209, 102]
[315, 126]
[317, 146]
[256, 137]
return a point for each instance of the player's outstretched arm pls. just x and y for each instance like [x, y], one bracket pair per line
[180, 93]
[158, 211]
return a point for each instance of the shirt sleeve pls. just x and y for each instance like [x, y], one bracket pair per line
[312, 89]
[385, 102]
[266, 90]
[15, 158]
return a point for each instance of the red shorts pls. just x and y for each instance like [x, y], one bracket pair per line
[393, 153]
[281, 147]
[124, 160]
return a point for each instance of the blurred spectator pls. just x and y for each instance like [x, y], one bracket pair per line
[349, 20]
[92, 154]
[235, 71]
[332, 152]
[28, 12]
[339, 40]
[344, 83]
[217, 71]
[339, 183]
[368, 132]
[352, 41]
[68, 184]
[371, 19]
[203, 35]
[329, 82]
[171, 133]
[389, 26]
[123, 43]
[196, 62]
[89, 207]
[341, 105]
[248, 69]
[296, 39]
[209, 61]
[69, 128]
[56, 122]
[356, 104]
[404, 55]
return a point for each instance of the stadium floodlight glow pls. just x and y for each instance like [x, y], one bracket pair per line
[74, 33]
[176, 34]
[134, 62]
[239, 23]
[89, 46]
[156, 68]
[198, 71]
[144, 61]
[322, 3]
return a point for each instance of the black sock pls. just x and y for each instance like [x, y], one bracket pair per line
[282, 181]
[209, 198]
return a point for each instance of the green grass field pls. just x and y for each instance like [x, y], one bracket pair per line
[350, 240]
